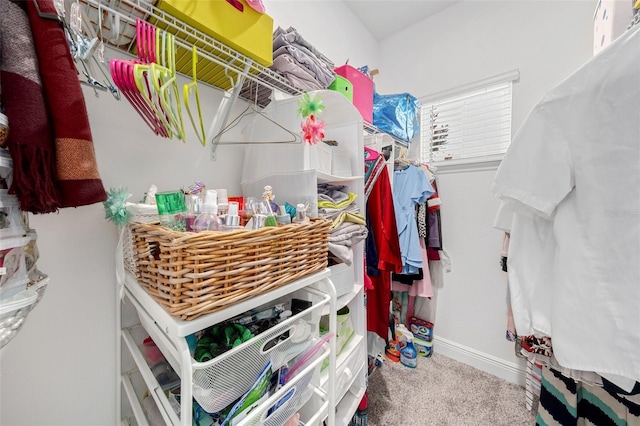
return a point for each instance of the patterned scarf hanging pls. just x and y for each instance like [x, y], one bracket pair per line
[49, 139]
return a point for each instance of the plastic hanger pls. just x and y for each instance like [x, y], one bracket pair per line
[165, 84]
[133, 79]
[190, 88]
[370, 154]
[145, 75]
[122, 72]
[142, 77]
[125, 70]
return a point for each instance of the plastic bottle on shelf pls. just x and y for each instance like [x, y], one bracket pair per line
[401, 336]
[172, 210]
[283, 217]
[301, 214]
[232, 220]
[408, 355]
[208, 220]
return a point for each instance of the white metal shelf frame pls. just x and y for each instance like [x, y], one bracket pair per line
[169, 335]
[235, 66]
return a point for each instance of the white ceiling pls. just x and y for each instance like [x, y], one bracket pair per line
[386, 17]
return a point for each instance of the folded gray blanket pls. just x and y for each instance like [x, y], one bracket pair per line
[323, 73]
[343, 238]
[292, 36]
[333, 193]
[298, 75]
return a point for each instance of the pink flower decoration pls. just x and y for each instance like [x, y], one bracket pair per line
[312, 130]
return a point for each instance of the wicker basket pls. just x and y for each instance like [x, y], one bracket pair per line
[193, 274]
[143, 213]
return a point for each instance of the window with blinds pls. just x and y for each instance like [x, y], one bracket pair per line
[473, 124]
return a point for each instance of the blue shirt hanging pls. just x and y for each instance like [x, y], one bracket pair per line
[410, 187]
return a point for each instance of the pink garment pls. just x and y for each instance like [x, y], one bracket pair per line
[420, 288]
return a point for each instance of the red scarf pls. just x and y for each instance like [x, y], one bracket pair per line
[77, 176]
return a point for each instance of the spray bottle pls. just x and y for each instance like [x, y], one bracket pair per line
[408, 355]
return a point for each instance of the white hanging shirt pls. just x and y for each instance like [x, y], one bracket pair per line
[576, 162]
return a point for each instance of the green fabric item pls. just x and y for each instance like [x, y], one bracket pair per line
[219, 339]
[331, 205]
[348, 217]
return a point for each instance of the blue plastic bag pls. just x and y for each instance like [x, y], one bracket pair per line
[397, 115]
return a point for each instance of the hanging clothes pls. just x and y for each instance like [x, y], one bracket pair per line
[410, 187]
[574, 165]
[564, 401]
[420, 287]
[77, 176]
[384, 236]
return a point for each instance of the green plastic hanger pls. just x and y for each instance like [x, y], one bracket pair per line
[147, 85]
[188, 89]
[165, 84]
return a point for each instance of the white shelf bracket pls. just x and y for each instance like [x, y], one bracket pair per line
[224, 109]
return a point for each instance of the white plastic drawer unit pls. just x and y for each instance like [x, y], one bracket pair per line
[343, 278]
[219, 382]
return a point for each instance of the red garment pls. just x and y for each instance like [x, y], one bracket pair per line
[76, 168]
[382, 222]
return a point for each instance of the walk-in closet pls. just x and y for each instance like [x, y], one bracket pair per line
[319, 213]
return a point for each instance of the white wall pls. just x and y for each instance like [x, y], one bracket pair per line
[60, 368]
[472, 40]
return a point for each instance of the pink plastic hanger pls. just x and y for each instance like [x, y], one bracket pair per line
[370, 154]
[140, 39]
[122, 72]
[150, 96]
[120, 77]
[140, 94]
[152, 43]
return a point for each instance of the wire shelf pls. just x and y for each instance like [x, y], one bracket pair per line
[373, 130]
[219, 65]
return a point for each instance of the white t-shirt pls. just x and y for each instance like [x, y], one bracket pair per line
[529, 263]
[576, 162]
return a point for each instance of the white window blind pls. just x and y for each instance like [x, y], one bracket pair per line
[473, 124]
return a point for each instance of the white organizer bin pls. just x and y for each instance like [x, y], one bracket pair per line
[333, 160]
[222, 380]
[343, 278]
[347, 371]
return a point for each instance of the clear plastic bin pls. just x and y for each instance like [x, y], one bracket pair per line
[13, 314]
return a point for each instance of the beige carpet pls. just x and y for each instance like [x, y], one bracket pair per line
[441, 391]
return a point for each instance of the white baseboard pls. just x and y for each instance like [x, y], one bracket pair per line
[506, 370]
